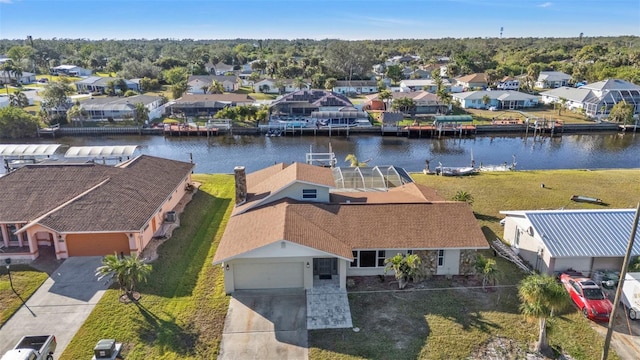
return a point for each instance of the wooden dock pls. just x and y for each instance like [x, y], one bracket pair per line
[185, 130]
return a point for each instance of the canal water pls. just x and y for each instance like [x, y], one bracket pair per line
[221, 153]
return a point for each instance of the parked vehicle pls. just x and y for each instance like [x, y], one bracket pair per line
[631, 295]
[588, 297]
[608, 279]
[107, 349]
[33, 348]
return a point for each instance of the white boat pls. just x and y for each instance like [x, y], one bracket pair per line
[455, 171]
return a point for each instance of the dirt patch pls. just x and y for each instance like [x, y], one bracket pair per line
[499, 348]
[150, 252]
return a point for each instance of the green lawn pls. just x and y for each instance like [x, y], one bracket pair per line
[182, 310]
[485, 116]
[25, 281]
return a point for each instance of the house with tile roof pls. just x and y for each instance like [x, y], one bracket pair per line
[206, 104]
[552, 79]
[501, 99]
[597, 98]
[198, 82]
[293, 226]
[553, 241]
[472, 81]
[88, 209]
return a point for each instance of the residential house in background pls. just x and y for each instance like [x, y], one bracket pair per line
[424, 84]
[304, 102]
[295, 225]
[70, 70]
[508, 83]
[99, 84]
[597, 98]
[11, 77]
[218, 69]
[206, 104]
[356, 87]
[552, 79]
[552, 241]
[88, 209]
[121, 108]
[501, 99]
[198, 82]
[269, 86]
[473, 81]
[426, 103]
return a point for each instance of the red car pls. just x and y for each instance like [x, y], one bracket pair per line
[588, 297]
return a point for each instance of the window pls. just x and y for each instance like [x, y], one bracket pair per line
[409, 252]
[309, 193]
[368, 258]
[381, 257]
[440, 257]
[516, 240]
[354, 263]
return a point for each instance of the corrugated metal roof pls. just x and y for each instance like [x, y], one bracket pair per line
[586, 233]
[28, 149]
[100, 151]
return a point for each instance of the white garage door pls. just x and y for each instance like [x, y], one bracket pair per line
[268, 276]
[582, 264]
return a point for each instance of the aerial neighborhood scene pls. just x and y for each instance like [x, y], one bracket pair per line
[319, 180]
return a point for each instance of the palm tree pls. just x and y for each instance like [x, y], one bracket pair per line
[563, 104]
[486, 100]
[127, 270]
[216, 87]
[75, 113]
[406, 267]
[462, 195]
[279, 84]
[353, 161]
[204, 89]
[299, 83]
[141, 113]
[18, 99]
[541, 295]
[385, 95]
[487, 270]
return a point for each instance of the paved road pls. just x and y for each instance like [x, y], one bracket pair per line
[265, 325]
[61, 304]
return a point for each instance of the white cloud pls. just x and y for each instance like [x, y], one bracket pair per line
[544, 5]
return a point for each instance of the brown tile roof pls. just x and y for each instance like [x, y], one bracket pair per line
[125, 199]
[338, 229]
[265, 182]
[407, 193]
[473, 78]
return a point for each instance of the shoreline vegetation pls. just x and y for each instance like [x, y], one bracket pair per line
[183, 306]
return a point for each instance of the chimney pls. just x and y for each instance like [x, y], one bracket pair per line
[241, 185]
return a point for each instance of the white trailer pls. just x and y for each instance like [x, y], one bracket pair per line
[631, 294]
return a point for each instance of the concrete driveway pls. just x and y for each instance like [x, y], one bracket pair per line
[60, 306]
[265, 325]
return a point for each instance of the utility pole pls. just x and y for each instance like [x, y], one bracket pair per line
[623, 273]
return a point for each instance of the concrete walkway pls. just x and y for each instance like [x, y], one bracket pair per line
[265, 324]
[60, 306]
[328, 306]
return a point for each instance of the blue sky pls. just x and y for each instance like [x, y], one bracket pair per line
[315, 19]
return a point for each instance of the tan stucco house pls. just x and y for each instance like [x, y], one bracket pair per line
[292, 225]
[88, 209]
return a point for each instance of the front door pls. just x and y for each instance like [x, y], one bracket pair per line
[325, 267]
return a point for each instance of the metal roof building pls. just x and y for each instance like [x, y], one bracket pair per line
[584, 240]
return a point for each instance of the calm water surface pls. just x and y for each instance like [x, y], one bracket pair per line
[220, 154]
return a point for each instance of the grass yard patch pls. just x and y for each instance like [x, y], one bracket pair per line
[183, 305]
[25, 281]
